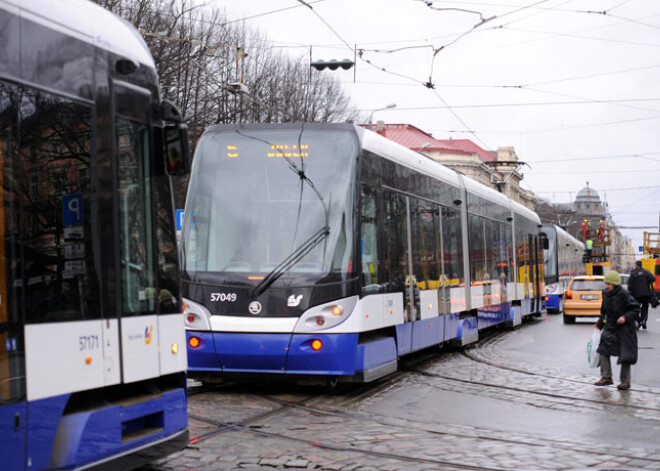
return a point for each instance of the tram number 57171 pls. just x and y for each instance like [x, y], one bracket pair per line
[223, 297]
[88, 342]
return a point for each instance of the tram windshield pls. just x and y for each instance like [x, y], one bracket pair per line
[258, 197]
[550, 257]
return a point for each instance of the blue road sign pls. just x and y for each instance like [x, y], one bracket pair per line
[179, 219]
[72, 209]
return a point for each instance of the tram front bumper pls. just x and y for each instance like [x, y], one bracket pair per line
[272, 353]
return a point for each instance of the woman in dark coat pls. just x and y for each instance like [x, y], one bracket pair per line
[618, 315]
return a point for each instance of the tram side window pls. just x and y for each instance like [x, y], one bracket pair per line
[452, 246]
[478, 254]
[502, 253]
[425, 228]
[369, 240]
[522, 256]
[393, 266]
[12, 373]
[137, 264]
[59, 280]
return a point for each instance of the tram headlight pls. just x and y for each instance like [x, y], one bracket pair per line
[552, 288]
[196, 316]
[326, 316]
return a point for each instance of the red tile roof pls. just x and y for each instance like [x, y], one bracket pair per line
[415, 139]
[469, 146]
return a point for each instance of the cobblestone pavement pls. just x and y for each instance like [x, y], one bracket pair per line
[289, 427]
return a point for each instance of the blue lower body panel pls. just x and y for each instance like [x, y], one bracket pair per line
[468, 329]
[203, 357]
[553, 302]
[427, 332]
[451, 326]
[278, 353]
[374, 354]
[492, 315]
[336, 356]
[84, 438]
[251, 352]
[12, 445]
[292, 354]
[404, 338]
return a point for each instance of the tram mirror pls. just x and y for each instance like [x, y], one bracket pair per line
[546, 243]
[177, 153]
[170, 112]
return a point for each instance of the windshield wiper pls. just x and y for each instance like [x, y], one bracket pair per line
[291, 260]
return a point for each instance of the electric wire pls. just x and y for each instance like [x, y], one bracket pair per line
[629, 188]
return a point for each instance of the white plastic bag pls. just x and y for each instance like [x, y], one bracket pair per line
[593, 357]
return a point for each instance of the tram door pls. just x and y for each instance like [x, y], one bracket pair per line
[535, 271]
[13, 408]
[140, 333]
[396, 266]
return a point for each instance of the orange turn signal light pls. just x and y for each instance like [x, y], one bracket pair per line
[336, 310]
[193, 342]
[317, 345]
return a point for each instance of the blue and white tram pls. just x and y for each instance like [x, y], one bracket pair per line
[325, 250]
[563, 261]
[92, 357]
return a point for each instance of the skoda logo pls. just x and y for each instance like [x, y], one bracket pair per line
[254, 308]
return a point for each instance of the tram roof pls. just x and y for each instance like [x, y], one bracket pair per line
[401, 154]
[86, 21]
[398, 153]
[564, 233]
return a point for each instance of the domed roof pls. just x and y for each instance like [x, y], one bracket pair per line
[587, 195]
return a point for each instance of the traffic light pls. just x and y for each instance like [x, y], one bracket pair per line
[333, 64]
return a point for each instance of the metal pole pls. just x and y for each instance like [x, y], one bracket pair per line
[354, 61]
[309, 82]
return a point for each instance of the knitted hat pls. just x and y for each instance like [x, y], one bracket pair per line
[612, 278]
[165, 295]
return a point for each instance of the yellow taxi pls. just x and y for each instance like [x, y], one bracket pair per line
[583, 297]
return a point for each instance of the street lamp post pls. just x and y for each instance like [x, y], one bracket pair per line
[371, 115]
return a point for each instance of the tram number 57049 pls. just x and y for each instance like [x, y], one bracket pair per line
[223, 297]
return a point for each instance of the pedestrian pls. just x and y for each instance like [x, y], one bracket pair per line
[618, 314]
[640, 285]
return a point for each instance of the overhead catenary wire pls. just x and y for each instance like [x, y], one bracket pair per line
[629, 188]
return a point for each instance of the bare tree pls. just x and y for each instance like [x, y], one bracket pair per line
[200, 59]
[199, 56]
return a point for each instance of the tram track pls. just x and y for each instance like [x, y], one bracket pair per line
[410, 369]
[536, 393]
[243, 427]
[408, 425]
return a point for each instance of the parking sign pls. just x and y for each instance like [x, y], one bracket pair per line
[72, 210]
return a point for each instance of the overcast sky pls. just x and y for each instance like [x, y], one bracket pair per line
[573, 85]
